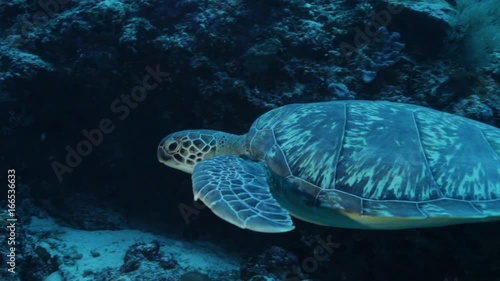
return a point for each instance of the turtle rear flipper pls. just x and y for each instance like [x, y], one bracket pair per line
[237, 191]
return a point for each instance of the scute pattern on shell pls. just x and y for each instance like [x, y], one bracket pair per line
[387, 157]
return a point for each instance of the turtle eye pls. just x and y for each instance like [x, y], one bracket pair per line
[172, 146]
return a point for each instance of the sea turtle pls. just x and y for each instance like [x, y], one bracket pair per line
[351, 164]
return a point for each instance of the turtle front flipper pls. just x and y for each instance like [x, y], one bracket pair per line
[237, 191]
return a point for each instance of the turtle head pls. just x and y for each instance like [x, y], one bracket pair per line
[184, 149]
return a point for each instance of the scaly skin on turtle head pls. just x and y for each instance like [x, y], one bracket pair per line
[184, 149]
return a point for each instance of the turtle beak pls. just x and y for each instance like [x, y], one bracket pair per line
[163, 157]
